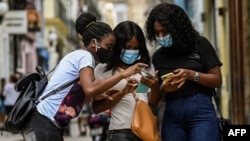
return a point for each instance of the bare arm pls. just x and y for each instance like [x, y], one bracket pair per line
[93, 87]
[115, 96]
[106, 103]
[211, 79]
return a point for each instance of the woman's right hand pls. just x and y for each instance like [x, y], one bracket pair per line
[136, 68]
[131, 86]
[167, 86]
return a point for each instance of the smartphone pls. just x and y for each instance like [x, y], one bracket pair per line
[141, 88]
[167, 77]
[144, 73]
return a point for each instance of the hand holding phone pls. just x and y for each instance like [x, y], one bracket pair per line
[167, 77]
[147, 74]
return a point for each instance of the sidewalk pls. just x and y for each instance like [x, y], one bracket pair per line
[17, 137]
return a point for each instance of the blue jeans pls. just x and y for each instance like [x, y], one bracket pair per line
[40, 128]
[122, 135]
[190, 118]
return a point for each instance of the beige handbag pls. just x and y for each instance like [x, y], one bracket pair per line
[144, 122]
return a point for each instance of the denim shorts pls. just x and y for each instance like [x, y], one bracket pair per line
[122, 135]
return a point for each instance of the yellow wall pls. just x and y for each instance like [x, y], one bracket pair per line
[55, 24]
[222, 44]
[216, 29]
[49, 8]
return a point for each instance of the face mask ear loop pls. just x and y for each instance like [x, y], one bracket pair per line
[139, 57]
[96, 47]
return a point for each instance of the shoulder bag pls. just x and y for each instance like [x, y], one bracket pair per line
[144, 122]
[222, 122]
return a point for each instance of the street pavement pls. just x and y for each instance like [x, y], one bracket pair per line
[5, 136]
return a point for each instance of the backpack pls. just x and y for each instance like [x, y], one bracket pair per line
[30, 87]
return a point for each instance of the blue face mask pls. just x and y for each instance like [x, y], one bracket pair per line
[130, 56]
[166, 41]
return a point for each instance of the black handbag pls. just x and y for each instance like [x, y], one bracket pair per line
[222, 122]
[31, 87]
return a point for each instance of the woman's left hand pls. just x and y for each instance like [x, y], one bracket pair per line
[150, 80]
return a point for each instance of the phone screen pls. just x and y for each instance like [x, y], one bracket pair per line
[144, 74]
[167, 77]
[141, 88]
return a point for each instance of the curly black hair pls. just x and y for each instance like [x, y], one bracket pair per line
[124, 32]
[176, 22]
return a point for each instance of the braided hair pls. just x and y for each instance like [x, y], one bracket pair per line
[176, 22]
[87, 26]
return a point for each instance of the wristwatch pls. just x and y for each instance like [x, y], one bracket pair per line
[196, 76]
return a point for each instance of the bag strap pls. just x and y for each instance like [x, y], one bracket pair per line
[40, 70]
[134, 94]
[216, 105]
[59, 89]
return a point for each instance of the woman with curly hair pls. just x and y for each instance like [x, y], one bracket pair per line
[189, 112]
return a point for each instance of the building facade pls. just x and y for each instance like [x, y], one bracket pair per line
[225, 23]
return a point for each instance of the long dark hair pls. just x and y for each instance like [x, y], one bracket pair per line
[87, 26]
[173, 19]
[124, 32]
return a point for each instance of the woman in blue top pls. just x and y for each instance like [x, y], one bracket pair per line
[189, 112]
[54, 112]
